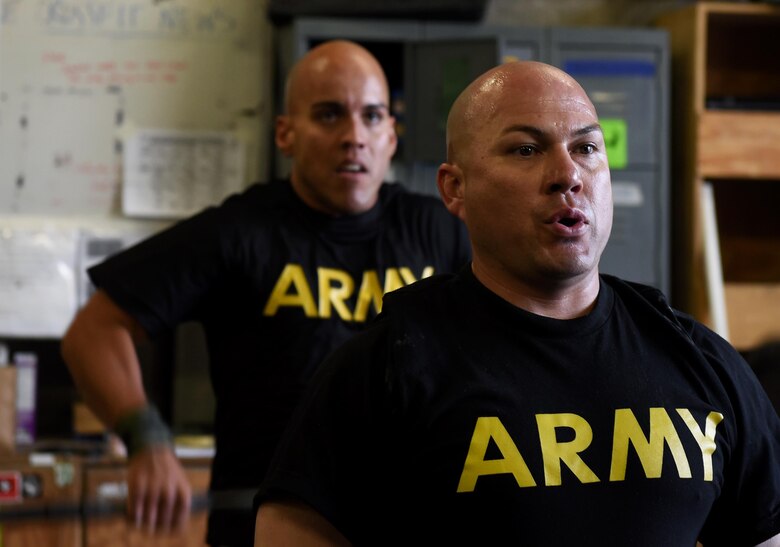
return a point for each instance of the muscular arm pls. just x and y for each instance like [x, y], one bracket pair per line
[99, 350]
[286, 523]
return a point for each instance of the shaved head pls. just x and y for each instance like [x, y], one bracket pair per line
[527, 172]
[524, 82]
[331, 60]
[337, 128]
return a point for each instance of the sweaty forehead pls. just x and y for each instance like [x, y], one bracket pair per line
[566, 108]
[501, 95]
[562, 116]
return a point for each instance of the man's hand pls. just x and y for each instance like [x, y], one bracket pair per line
[159, 494]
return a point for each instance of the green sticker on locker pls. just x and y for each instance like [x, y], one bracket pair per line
[616, 139]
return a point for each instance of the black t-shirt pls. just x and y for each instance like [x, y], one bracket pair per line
[459, 419]
[276, 286]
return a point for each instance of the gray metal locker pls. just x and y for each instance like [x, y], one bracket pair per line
[447, 59]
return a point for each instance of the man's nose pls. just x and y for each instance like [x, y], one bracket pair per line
[562, 173]
[354, 134]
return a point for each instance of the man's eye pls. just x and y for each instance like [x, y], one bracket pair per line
[588, 148]
[525, 150]
[327, 116]
[373, 117]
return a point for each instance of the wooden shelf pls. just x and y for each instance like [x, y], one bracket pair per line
[108, 527]
[739, 145]
[754, 312]
[47, 511]
[726, 131]
[80, 503]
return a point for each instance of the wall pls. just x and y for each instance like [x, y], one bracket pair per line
[116, 118]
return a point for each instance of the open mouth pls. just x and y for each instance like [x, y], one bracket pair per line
[569, 217]
[352, 168]
[569, 222]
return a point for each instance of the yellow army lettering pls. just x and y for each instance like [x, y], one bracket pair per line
[554, 453]
[335, 287]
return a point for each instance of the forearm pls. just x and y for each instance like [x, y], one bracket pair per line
[99, 350]
[293, 523]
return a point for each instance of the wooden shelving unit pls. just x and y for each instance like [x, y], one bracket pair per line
[71, 501]
[726, 131]
[106, 526]
[46, 507]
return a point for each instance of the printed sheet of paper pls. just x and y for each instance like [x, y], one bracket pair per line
[37, 280]
[173, 174]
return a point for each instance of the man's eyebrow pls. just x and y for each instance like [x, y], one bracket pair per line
[537, 132]
[520, 128]
[594, 127]
[378, 106]
[327, 104]
[339, 105]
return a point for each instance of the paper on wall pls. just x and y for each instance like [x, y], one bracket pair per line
[37, 280]
[174, 173]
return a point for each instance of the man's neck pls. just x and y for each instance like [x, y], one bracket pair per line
[559, 300]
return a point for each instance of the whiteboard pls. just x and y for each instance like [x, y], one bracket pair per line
[79, 81]
[80, 77]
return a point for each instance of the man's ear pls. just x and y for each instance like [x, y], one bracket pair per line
[393, 136]
[449, 179]
[284, 135]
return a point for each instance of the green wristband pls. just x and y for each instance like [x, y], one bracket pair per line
[143, 428]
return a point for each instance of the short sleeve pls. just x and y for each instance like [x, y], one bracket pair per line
[747, 511]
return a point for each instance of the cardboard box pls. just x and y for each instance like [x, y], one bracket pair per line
[7, 410]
